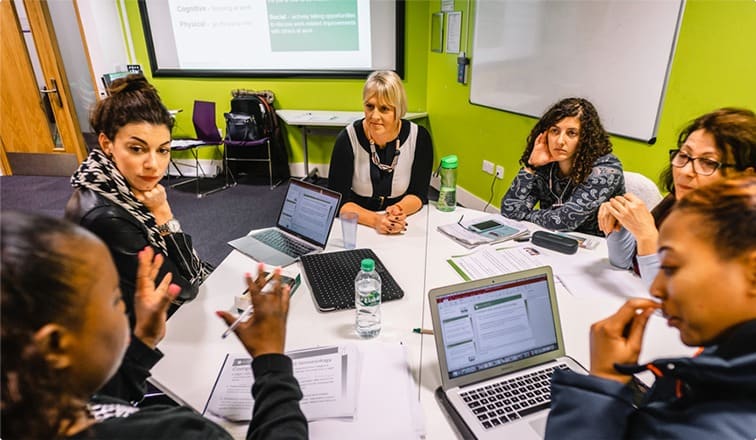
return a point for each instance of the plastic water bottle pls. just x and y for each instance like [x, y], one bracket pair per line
[367, 300]
[447, 195]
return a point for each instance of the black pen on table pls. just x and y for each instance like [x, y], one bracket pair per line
[422, 331]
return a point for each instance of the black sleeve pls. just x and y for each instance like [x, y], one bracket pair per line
[276, 414]
[129, 381]
[341, 168]
[422, 166]
[125, 238]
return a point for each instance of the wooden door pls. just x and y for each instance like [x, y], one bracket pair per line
[25, 127]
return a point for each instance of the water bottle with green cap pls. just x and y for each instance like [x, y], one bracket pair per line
[447, 197]
[367, 300]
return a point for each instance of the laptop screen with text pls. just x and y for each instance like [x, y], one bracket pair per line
[494, 325]
[308, 211]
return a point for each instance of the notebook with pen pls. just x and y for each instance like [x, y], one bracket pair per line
[498, 342]
[303, 226]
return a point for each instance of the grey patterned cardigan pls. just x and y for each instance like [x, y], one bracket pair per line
[564, 206]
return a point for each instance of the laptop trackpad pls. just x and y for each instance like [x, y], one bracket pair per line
[261, 251]
[539, 425]
[273, 257]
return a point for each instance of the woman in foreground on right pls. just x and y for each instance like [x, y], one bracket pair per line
[706, 286]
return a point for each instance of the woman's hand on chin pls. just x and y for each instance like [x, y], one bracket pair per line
[156, 201]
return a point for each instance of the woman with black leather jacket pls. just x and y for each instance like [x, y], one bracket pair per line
[117, 191]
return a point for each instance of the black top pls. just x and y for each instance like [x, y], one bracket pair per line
[342, 168]
[125, 237]
[276, 414]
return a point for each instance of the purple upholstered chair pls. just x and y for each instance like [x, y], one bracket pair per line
[208, 135]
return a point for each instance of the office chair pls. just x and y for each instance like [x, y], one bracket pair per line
[643, 187]
[208, 135]
[248, 151]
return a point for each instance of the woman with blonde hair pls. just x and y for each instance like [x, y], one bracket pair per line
[382, 164]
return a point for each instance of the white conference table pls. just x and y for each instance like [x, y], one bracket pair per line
[194, 350]
[307, 119]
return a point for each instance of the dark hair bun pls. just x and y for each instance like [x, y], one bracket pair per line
[134, 82]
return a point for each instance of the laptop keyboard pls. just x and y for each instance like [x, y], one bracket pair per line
[283, 243]
[511, 399]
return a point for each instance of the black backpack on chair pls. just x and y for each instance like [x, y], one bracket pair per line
[253, 117]
[241, 127]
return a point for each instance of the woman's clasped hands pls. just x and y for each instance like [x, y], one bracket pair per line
[393, 221]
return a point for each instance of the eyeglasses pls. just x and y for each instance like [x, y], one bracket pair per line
[377, 161]
[701, 165]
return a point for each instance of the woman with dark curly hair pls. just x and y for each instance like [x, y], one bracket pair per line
[710, 148]
[567, 168]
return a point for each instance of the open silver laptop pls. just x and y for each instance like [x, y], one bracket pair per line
[303, 226]
[498, 342]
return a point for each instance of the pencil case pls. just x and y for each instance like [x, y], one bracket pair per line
[555, 242]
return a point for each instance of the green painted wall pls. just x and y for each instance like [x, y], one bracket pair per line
[321, 94]
[714, 66]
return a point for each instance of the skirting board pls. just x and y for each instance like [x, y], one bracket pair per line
[211, 167]
[468, 199]
[297, 169]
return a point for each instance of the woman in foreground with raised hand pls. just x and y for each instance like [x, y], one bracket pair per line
[65, 334]
[706, 288]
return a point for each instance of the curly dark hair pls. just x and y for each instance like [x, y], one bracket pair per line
[39, 275]
[132, 99]
[734, 132]
[592, 143]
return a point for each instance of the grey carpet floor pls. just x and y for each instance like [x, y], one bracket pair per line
[212, 221]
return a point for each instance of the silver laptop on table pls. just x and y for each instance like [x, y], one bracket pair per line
[498, 342]
[303, 226]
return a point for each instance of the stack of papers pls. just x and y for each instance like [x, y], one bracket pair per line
[490, 260]
[488, 229]
[326, 375]
[347, 392]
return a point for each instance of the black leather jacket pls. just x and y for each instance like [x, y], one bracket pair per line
[125, 236]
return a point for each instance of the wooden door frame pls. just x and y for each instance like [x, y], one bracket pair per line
[51, 61]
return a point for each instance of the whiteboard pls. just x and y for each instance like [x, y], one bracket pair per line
[529, 54]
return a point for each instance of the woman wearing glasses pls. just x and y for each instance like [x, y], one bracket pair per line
[713, 145]
[382, 164]
[568, 168]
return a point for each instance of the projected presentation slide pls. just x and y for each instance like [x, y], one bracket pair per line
[272, 34]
